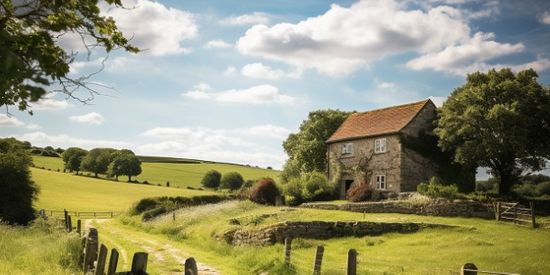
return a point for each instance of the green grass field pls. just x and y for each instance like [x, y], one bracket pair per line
[60, 191]
[489, 244]
[183, 174]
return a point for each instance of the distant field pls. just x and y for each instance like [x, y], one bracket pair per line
[77, 193]
[180, 172]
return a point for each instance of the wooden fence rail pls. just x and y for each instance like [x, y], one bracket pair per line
[80, 214]
[516, 213]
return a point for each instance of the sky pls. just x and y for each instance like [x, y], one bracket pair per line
[229, 80]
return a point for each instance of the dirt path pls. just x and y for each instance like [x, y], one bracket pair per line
[165, 256]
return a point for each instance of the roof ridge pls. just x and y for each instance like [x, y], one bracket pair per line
[394, 106]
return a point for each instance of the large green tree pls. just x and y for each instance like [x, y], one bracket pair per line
[73, 158]
[307, 149]
[31, 58]
[125, 162]
[97, 160]
[17, 190]
[498, 120]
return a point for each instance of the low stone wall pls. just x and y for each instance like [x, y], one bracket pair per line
[319, 230]
[442, 208]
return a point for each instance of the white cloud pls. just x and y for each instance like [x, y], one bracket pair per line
[267, 130]
[10, 121]
[49, 103]
[457, 59]
[246, 19]
[231, 70]
[158, 29]
[32, 126]
[217, 44]
[545, 18]
[438, 100]
[258, 95]
[261, 71]
[89, 118]
[64, 141]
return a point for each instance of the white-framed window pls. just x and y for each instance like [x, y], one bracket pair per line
[381, 182]
[380, 145]
[347, 149]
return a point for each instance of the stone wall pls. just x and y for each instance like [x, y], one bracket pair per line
[441, 208]
[319, 230]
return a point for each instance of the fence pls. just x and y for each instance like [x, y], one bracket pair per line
[516, 213]
[80, 214]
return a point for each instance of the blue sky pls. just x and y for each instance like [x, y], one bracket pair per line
[229, 80]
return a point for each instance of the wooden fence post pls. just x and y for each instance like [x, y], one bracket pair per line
[79, 227]
[532, 205]
[497, 212]
[288, 247]
[100, 265]
[90, 249]
[468, 269]
[69, 224]
[65, 217]
[318, 260]
[113, 262]
[352, 262]
[174, 216]
[190, 267]
[139, 263]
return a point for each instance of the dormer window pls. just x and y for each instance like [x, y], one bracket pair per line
[380, 145]
[347, 149]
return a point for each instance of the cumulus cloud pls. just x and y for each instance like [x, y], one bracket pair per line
[39, 138]
[268, 130]
[49, 103]
[261, 71]
[158, 29]
[229, 71]
[32, 126]
[10, 121]
[345, 39]
[218, 43]
[545, 18]
[257, 95]
[89, 118]
[438, 100]
[246, 19]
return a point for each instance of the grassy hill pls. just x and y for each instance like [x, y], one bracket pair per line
[180, 172]
[60, 191]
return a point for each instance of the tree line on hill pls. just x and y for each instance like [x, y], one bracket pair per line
[112, 162]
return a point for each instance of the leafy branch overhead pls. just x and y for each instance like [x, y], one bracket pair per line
[29, 50]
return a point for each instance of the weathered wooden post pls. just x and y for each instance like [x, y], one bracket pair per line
[69, 224]
[65, 214]
[497, 211]
[318, 260]
[113, 262]
[288, 247]
[100, 266]
[468, 269]
[90, 249]
[352, 262]
[79, 227]
[139, 263]
[532, 205]
[190, 267]
[174, 216]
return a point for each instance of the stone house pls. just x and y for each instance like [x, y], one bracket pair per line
[368, 149]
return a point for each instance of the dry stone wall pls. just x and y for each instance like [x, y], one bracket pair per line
[442, 208]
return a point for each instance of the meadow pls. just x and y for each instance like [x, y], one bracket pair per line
[60, 191]
[179, 172]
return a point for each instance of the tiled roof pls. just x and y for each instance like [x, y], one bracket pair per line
[377, 122]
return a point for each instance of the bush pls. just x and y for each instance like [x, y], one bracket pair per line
[231, 181]
[526, 189]
[312, 186]
[361, 192]
[265, 192]
[155, 212]
[211, 179]
[436, 189]
[543, 188]
[151, 205]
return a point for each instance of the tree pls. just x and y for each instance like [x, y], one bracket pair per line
[73, 158]
[498, 120]
[17, 190]
[211, 179]
[231, 181]
[265, 192]
[125, 162]
[31, 58]
[97, 160]
[307, 149]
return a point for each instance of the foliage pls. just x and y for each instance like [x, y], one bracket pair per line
[73, 158]
[525, 190]
[359, 192]
[97, 160]
[17, 190]
[543, 188]
[436, 189]
[499, 120]
[265, 192]
[29, 50]
[154, 207]
[125, 162]
[231, 181]
[211, 179]
[306, 149]
[312, 186]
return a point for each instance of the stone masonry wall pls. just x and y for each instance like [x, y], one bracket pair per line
[319, 230]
